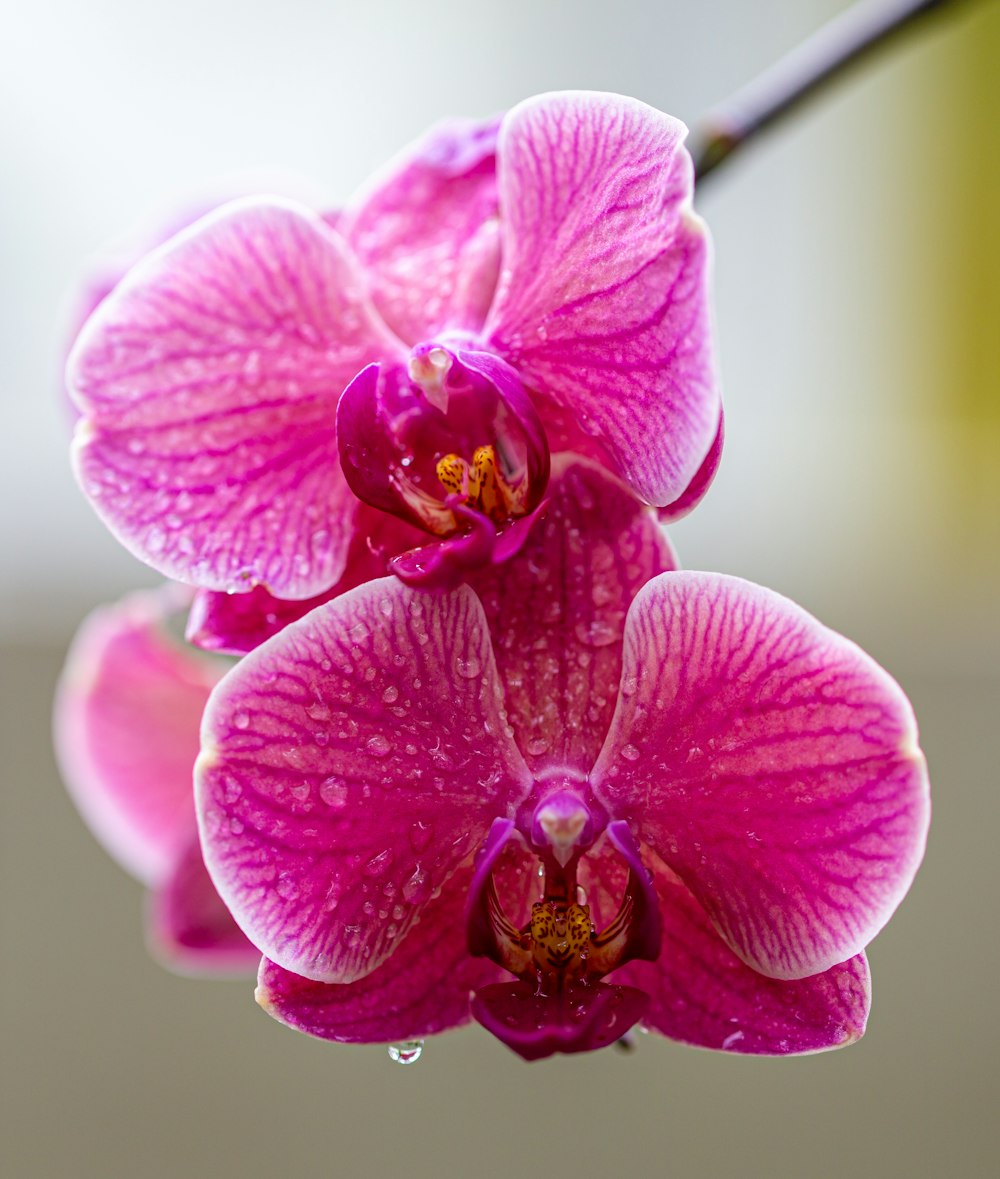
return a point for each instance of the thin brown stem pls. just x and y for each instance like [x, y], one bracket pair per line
[847, 39]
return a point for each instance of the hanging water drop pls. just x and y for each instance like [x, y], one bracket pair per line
[406, 1052]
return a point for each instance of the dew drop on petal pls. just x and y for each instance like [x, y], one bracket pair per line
[379, 745]
[630, 753]
[599, 632]
[333, 791]
[391, 694]
[417, 887]
[406, 1052]
[468, 668]
[241, 718]
[378, 864]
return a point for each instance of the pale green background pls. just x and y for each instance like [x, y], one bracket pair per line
[857, 302]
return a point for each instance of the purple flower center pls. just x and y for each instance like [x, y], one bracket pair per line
[559, 957]
[451, 444]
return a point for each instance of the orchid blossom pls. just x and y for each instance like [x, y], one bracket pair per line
[584, 789]
[504, 290]
[127, 716]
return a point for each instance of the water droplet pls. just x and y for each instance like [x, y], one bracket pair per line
[378, 864]
[333, 791]
[536, 746]
[599, 632]
[287, 886]
[468, 668]
[300, 791]
[241, 718]
[318, 711]
[406, 1052]
[630, 753]
[391, 694]
[379, 745]
[417, 887]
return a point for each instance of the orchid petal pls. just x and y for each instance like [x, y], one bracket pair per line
[209, 380]
[349, 765]
[426, 231]
[235, 624]
[557, 612]
[127, 713]
[602, 304]
[578, 1019]
[696, 490]
[771, 764]
[422, 989]
[190, 928]
[702, 994]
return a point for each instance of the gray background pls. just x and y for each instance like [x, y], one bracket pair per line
[857, 302]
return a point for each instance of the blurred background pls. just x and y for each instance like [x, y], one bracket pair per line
[858, 303]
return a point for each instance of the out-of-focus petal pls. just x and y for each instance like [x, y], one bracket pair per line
[348, 767]
[602, 304]
[422, 989]
[208, 381]
[426, 231]
[189, 927]
[557, 612]
[702, 994]
[771, 764]
[234, 624]
[127, 714]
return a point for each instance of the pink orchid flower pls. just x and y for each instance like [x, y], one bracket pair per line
[585, 789]
[505, 289]
[127, 715]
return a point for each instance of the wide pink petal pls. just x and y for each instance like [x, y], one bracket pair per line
[189, 927]
[422, 989]
[771, 764]
[557, 612]
[702, 994]
[426, 230]
[349, 765]
[208, 380]
[602, 305]
[127, 712]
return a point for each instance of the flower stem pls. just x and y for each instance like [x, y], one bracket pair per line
[845, 40]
